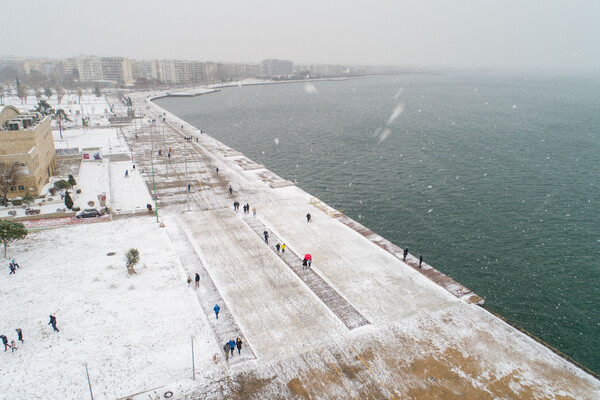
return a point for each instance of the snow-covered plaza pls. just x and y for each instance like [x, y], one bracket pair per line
[359, 323]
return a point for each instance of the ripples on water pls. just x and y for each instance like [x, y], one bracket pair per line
[493, 177]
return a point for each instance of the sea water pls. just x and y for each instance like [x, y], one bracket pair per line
[493, 177]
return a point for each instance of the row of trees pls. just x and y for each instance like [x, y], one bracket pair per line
[23, 91]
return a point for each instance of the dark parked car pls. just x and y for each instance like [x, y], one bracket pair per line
[88, 213]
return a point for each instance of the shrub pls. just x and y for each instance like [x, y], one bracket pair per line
[28, 199]
[132, 257]
[17, 202]
[72, 181]
[78, 191]
[75, 209]
[68, 200]
[52, 191]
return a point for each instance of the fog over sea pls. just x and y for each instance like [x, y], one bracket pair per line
[493, 177]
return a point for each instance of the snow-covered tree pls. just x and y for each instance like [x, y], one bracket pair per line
[11, 231]
[132, 257]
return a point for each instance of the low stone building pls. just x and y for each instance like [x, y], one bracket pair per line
[26, 140]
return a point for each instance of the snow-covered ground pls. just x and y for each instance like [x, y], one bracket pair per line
[134, 332]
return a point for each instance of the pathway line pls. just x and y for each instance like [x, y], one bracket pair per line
[374, 374]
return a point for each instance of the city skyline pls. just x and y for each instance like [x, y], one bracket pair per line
[433, 33]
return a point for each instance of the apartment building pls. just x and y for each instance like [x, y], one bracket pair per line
[26, 140]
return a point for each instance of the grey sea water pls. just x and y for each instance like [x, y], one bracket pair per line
[493, 177]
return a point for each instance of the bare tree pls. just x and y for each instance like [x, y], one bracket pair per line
[60, 116]
[60, 93]
[9, 175]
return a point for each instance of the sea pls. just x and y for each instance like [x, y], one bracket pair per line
[493, 176]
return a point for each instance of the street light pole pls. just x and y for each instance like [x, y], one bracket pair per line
[152, 164]
[187, 185]
[88, 379]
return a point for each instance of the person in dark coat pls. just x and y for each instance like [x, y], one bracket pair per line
[217, 170]
[53, 323]
[226, 350]
[304, 263]
[248, 208]
[232, 346]
[217, 308]
[230, 190]
[4, 341]
[238, 343]
[420, 260]
[197, 280]
[405, 254]
[308, 217]
[149, 207]
[277, 246]
[15, 263]
[266, 236]
[19, 334]
[12, 268]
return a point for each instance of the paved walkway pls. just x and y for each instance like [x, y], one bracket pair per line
[224, 328]
[328, 295]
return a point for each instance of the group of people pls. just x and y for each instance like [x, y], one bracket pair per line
[12, 265]
[12, 345]
[306, 263]
[246, 207]
[231, 345]
[282, 247]
[420, 257]
[197, 280]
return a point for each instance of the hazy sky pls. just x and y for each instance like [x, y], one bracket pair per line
[459, 33]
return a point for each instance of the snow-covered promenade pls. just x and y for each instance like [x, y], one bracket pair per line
[360, 323]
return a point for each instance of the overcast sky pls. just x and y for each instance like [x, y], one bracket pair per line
[455, 33]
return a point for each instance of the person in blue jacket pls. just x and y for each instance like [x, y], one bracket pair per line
[217, 308]
[232, 346]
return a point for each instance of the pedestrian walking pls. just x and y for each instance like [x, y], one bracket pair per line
[149, 207]
[15, 263]
[226, 350]
[230, 190]
[189, 280]
[53, 323]
[283, 246]
[420, 260]
[405, 254]
[248, 208]
[308, 217]
[238, 343]
[309, 262]
[126, 173]
[304, 263]
[134, 167]
[198, 282]
[169, 156]
[217, 170]
[12, 268]
[232, 346]
[4, 341]
[13, 345]
[266, 234]
[217, 308]
[254, 212]
[277, 246]
[19, 334]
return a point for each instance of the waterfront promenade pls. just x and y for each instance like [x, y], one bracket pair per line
[361, 323]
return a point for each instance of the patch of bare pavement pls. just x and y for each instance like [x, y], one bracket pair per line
[409, 332]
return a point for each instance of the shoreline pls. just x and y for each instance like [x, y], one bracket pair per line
[439, 278]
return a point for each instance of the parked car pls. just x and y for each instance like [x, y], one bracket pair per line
[88, 213]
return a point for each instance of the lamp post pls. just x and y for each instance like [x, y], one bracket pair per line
[88, 379]
[187, 185]
[152, 164]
